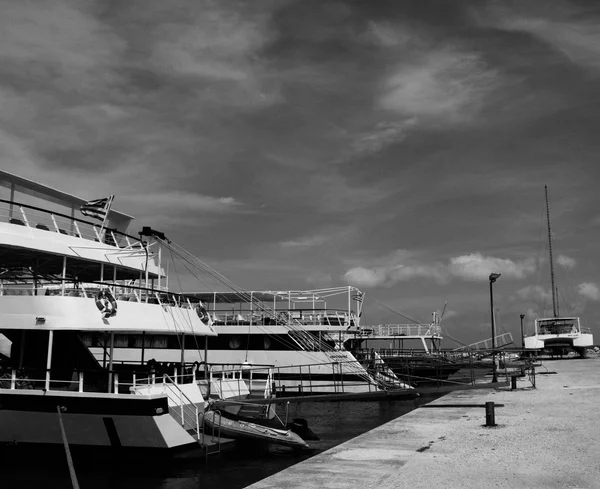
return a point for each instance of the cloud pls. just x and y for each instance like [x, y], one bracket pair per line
[475, 266]
[534, 293]
[400, 266]
[62, 40]
[376, 139]
[574, 32]
[404, 265]
[441, 86]
[566, 261]
[217, 42]
[306, 242]
[365, 277]
[589, 290]
[176, 201]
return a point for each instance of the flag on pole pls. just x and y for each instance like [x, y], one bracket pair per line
[358, 297]
[98, 208]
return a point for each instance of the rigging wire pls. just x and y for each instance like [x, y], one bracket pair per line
[300, 336]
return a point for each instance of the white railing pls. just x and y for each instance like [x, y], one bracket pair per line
[293, 317]
[120, 291]
[399, 330]
[36, 218]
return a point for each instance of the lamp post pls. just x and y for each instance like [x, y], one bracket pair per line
[493, 278]
[522, 316]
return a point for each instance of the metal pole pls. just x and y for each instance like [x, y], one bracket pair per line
[494, 373]
[522, 316]
[110, 362]
[49, 359]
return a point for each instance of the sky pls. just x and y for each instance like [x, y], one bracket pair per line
[400, 147]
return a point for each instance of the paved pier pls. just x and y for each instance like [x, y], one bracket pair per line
[548, 437]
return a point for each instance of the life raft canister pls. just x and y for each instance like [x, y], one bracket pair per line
[202, 314]
[106, 304]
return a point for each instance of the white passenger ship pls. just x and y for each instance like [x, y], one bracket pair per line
[63, 279]
[297, 333]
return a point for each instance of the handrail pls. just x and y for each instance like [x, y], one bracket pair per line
[70, 218]
[171, 298]
[397, 330]
[182, 396]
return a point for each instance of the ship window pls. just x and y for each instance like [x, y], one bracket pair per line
[150, 341]
[235, 343]
[121, 341]
[267, 342]
[86, 339]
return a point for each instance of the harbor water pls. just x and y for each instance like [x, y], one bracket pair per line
[333, 422]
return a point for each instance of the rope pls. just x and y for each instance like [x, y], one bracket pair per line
[72, 473]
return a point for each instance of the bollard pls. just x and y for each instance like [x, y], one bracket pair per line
[490, 415]
[513, 382]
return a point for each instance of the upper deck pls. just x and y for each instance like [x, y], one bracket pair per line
[39, 224]
[333, 309]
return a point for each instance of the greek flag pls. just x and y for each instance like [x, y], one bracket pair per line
[98, 208]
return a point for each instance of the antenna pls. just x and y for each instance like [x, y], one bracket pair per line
[550, 248]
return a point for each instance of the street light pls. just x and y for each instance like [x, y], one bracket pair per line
[522, 316]
[493, 278]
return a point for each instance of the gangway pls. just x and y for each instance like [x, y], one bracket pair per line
[501, 340]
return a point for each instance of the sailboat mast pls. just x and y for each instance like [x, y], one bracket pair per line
[550, 248]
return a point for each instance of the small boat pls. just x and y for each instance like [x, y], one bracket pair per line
[214, 420]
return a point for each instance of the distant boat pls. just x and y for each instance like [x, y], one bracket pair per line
[558, 332]
[232, 428]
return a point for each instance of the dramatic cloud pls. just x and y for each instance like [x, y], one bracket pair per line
[289, 142]
[589, 290]
[478, 267]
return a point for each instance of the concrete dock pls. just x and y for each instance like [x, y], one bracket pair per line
[547, 437]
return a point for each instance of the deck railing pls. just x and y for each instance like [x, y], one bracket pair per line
[305, 317]
[398, 330]
[120, 291]
[38, 218]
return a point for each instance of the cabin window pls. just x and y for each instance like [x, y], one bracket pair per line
[235, 343]
[150, 341]
[121, 341]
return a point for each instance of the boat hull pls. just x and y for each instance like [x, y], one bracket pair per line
[216, 423]
[30, 418]
[419, 370]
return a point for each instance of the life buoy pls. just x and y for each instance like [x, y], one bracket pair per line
[106, 304]
[202, 314]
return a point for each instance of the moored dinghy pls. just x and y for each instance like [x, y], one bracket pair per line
[216, 422]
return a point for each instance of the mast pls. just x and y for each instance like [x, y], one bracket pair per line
[550, 248]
